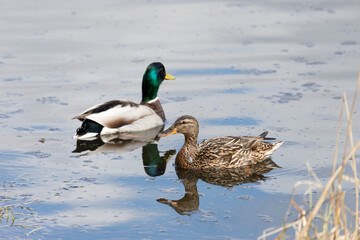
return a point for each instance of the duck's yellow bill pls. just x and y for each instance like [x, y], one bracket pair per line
[169, 77]
[167, 132]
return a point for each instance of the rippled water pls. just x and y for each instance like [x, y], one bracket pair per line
[241, 68]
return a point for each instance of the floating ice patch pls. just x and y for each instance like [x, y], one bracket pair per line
[50, 100]
[44, 127]
[284, 97]
[245, 197]
[24, 129]
[306, 61]
[310, 86]
[39, 154]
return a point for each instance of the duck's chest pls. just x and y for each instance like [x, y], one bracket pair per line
[187, 157]
[155, 105]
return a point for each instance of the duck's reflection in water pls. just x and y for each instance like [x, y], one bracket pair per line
[154, 164]
[118, 143]
[222, 177]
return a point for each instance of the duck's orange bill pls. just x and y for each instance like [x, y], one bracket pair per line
[167, 132]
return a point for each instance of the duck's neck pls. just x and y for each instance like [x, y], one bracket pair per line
[186, 158]
[150, 87]
[147, 97]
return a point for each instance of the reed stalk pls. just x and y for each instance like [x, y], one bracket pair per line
[335, 220]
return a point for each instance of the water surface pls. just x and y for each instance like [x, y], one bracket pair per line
[241, 68]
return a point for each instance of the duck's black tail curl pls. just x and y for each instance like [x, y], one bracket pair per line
[88, 127]
[263, 135]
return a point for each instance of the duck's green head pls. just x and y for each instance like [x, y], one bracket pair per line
[154, 75]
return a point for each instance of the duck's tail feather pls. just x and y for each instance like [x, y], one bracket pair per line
[88, 129]
[263, 135]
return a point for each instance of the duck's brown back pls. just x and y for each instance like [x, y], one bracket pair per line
[231, 152]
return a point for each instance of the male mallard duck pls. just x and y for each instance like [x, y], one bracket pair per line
[220, 152]
[120, 116]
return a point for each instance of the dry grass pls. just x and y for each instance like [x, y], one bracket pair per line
[6, 215]
[329, 217]
[14, 215]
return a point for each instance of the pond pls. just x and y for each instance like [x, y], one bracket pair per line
[241, 68]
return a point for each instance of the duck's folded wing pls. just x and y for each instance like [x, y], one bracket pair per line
[116, 113]
[227, 143]
[228, 151]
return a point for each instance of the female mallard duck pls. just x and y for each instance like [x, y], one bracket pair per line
[123, 116]
[220, 152]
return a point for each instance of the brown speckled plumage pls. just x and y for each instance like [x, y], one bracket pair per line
[219, 152]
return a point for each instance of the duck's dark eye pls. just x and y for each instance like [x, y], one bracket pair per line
[161, 74]
[182, 122]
